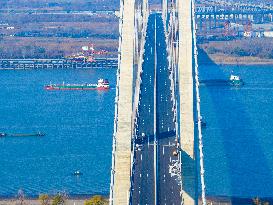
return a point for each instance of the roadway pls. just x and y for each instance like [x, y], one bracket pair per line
[155, 141]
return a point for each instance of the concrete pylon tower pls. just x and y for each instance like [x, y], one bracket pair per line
[164, 10]
[121, 159]
[186, 115]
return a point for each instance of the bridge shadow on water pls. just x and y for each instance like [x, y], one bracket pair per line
[235, 163]
[150, 138]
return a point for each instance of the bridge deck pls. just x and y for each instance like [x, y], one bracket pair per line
[152, 181]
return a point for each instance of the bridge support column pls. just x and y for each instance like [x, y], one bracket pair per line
[122, 152]
[210, 26]
[214, 18]
[201, 23]
[185, 65]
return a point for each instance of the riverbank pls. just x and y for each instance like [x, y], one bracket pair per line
[223, 59]
[245, 51]
[222, 200]
[37, 202]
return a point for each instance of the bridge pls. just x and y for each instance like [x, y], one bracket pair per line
[157, 154]
[56, 63]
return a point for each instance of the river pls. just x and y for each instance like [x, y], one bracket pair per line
[238, 139]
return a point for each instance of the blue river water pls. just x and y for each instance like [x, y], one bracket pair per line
[238, 139]
[78, 127]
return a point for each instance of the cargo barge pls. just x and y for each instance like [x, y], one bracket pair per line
[234, 80]
[103, 84]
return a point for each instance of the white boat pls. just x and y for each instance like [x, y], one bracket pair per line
[235, 80]
[77, 173]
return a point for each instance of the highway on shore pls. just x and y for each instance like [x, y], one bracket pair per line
[153, 182]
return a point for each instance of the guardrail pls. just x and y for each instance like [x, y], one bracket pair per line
[137, 93]
[170, 34]
[202, 170]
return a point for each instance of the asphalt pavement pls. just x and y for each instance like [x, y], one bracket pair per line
[155, 179]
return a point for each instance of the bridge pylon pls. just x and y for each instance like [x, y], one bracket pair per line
[133, 15]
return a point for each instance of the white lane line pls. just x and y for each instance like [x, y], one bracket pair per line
[170, 159]
[140, 175]
[163, 154]
[141, 157]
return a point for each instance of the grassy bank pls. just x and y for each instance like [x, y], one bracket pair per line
[250, 51]
[54, 35]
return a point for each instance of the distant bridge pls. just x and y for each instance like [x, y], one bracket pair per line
[56, 63]
[210, 16]
[206, 10]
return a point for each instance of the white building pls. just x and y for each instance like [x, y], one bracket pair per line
[268, 34]
[10, 28]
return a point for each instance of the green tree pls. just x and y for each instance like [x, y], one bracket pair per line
[44, 199]
[21, 196]
[212, 50]
[58, 200]
[257, 201]
[240, 51]
[95, 200]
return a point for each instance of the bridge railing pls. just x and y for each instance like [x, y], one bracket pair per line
[138, 83]
[200, 137]
[116, 105]
[171, 40]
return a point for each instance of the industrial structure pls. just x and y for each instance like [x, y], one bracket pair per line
[227, 20]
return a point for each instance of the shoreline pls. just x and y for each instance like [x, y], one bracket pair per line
[37, 202]
[72, 197]
[222, 59]
[228, 200]
[71, 200]
[211, 200]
